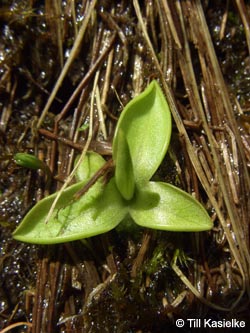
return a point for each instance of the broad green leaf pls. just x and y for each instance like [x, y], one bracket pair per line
[124, 175]
[175, 211]
[146, 124]
[97, 211]
[91, 163]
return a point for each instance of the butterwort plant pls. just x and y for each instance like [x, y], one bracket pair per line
[140, 143]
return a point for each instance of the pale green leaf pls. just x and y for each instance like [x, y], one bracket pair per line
[97, 211]
[146, 124]
[91, 163]
[124, 175]
[175, 211]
